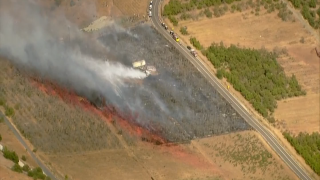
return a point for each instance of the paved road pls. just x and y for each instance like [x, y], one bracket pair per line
[20, 138]
[266, 134]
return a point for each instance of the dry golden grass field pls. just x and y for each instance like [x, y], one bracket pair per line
[243, 156]
[247, 29]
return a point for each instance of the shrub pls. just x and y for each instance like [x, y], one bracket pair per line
[173, 20]
[208, 13]
[312, 3]
[0, 137]
[26, 168]
[24, 157]
[283, 14]
[2, 101]
[220, 73]
[36, 173]
[184, 31]
[271, 119]
[10, 155]
[9, 111]
[16, 168]
[216, 12]
[196, 43]
[72, 3]
[185, 16]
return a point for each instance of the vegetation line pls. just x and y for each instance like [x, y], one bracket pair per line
[308, 146]
[177, 10]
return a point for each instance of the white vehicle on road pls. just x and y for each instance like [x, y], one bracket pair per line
[150, 14]
[150, 7]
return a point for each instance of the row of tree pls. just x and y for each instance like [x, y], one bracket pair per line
[175, 7]
[301, 3]
[196, 43]
[308, 146]
[11, 155]
[308, 11]
[36, 173]
[256, 74]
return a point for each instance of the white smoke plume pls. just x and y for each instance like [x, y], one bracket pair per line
[32, 39]
[178, 102]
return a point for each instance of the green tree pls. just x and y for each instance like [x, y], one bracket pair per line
[23, 157]
[173, 20]
[208, 13]
[37, 173]
[16, 168]
[26, 168]
[9, 111]
[296, 3]
[184, 31]
[220, 73]
[312, 3]
[174, 7]
[10, 155]
[308, 146]
[256, 74]
[196, 43]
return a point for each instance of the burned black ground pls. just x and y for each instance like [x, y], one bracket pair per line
[191, 107]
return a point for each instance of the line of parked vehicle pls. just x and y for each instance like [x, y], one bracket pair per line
[150, 8]
[173, 35]
[176, 38]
